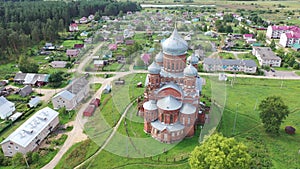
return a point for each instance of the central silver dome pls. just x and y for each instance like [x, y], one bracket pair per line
[175, 45]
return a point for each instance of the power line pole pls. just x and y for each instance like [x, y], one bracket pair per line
[234, 124]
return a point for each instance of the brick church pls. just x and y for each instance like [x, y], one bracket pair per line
[171, 99]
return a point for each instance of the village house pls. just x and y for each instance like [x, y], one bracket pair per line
[31, 133]
[229, 65]
[31, 79]
[266, 57]
[6, 108]
[58, 64]
[83, 20]
[72, 95]
[129, 42]
[248, 36]
[49, 46]
[289, 39]
[171, 100]
[72, 52]
[112, 46]
[25, 91]
[73, 27]
[119, 39]
[99, 63]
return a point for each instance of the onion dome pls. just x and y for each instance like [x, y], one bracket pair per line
[154, 68]
[175, 45]
[193, 59]
[190, 71]
[169, 103]
[159, 57]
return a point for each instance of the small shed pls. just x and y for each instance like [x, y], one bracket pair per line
[290, 130]
[89, 111]
[95, 102]
[34, 102]
[15, 116]
[107, 89]
[25, 91]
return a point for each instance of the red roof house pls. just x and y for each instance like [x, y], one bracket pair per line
[112, 46]
[248, 36]
[146, 57]
[73, 27]
[89, 111]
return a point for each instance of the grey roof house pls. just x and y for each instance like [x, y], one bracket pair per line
[31, 79]
[230, 65]
[74, 94]
[58, 64]
[25, 91]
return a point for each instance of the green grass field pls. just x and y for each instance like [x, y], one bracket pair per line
[243, 97]
[70, 43]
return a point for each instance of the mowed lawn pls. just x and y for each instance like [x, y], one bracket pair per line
[244, 98]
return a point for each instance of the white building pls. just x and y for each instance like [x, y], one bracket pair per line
[289, 39]
[31, 133]
[73, 95]
[229, 65]
[6, 108]
[266, 57]
[274, 32]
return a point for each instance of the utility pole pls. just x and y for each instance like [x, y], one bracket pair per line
[234, 124]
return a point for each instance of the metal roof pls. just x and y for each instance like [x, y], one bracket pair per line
[169, 103]
[159, 57]
[193, 59]
[188, 109]
[154, 68]
[212, 61]
[65, 94]
[77, 85]
[266, 53]
[150, 105]
[31, 128]
[175, 45]
[171, 85]
[170, 127]
[168, 74]
[190, 70]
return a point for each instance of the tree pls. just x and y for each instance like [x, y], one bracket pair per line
[55, 79]
[273, 45]
[220, 152]
[272, 113]
[27, 65]
[18, 159]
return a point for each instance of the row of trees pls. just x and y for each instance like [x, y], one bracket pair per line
[23, 24]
